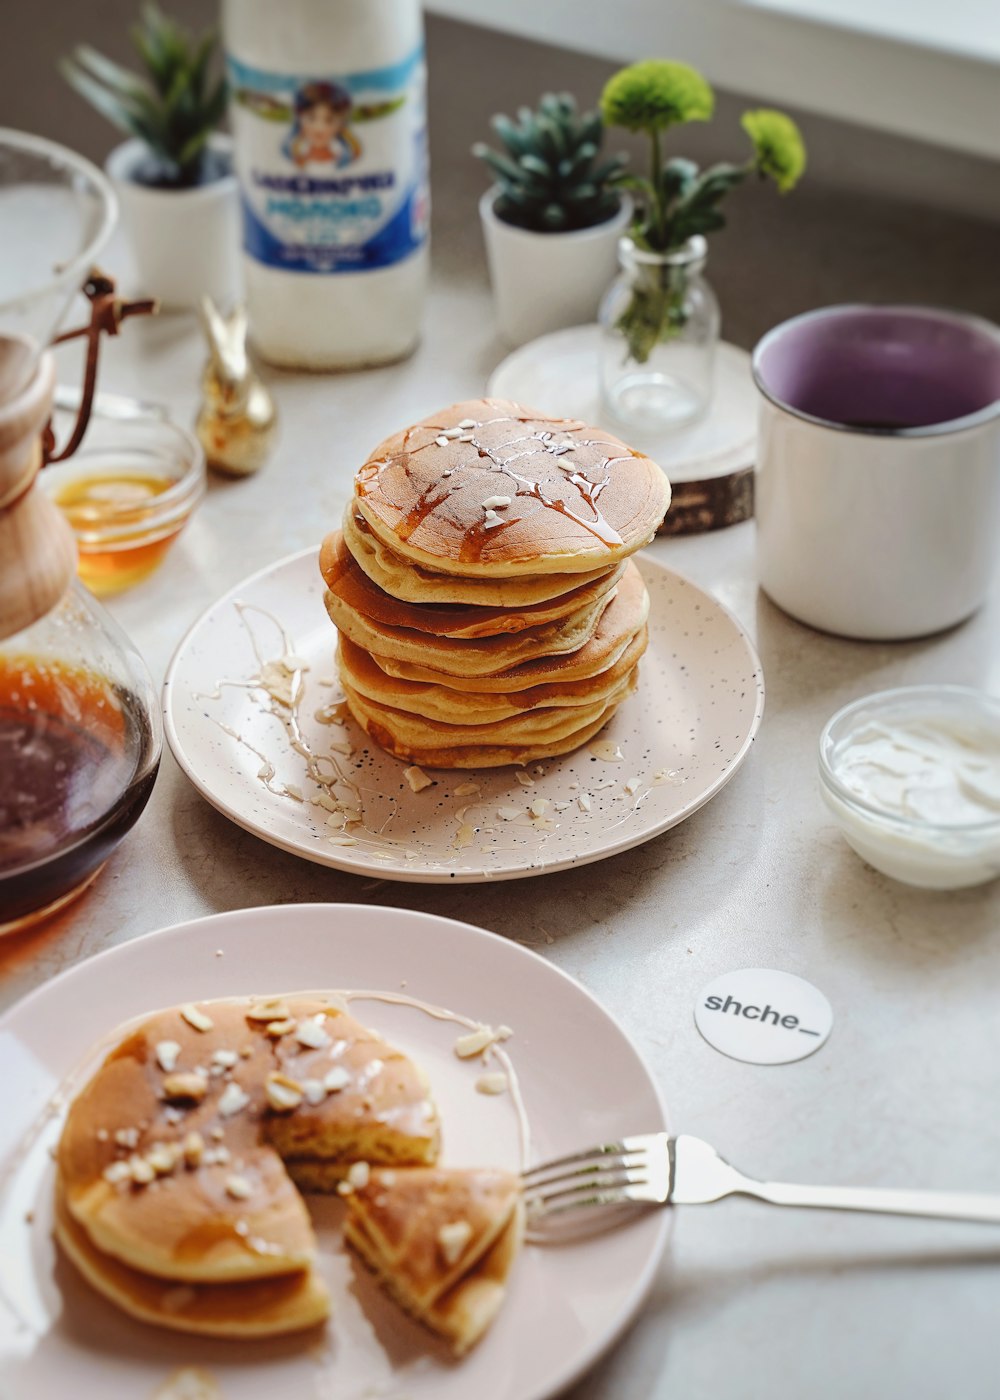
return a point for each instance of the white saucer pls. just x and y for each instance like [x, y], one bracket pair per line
[581, 1079]
[559, 375]
[671, 746]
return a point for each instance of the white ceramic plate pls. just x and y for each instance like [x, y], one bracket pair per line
[680, 738]
[560, 374]
[581, 1080]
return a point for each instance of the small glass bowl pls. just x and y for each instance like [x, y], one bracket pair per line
[938, 855]
[128, 493]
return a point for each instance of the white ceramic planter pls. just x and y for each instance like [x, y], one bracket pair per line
[184, 242]
[868, 530]
[546, 281]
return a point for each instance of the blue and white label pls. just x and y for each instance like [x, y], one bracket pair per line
[332, 169]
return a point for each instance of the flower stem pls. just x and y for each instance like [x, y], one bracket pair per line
[658, 211]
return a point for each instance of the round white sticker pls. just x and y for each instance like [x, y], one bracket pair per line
[763, 1017]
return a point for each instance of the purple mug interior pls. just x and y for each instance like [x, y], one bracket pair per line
[882, 368]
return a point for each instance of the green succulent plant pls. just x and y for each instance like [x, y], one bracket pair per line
[173, 108]
[550, 177]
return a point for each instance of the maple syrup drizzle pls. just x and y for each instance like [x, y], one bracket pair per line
[476, 538]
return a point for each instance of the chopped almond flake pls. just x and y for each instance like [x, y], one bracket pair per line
[283, 1094]
[336, 1078]
[494, 1083]
[194, 1146]
[268, 1009]
[453, 1239]
[311, 1035]
[196, 1018]
[116, 1172]
[417, 779]
[238, 1187]
[279, 1028]
[190, 1088]
[358, 1174]
[142, 1173]
[167, 1054]
[233, 1100]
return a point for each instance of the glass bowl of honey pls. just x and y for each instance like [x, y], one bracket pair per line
[128, 492]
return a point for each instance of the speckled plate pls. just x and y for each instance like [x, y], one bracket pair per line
[279, 770]
[579, 1078]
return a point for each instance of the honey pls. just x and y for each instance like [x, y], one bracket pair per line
[119, 524]
[78, 759]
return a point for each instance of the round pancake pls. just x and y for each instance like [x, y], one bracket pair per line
[267, 1307]
[544, 726]
[412, 584]
[483, 755]
[357, 592]
[466, 656]
[565, 496]
[191, 1222]
[361, 672]
[623, 618]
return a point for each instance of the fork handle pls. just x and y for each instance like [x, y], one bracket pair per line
[942, 1205]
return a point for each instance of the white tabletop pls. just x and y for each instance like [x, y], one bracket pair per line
[751, 1301]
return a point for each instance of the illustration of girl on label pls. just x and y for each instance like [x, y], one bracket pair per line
[320, 134]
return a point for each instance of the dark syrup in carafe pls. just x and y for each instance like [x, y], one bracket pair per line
[77, 764]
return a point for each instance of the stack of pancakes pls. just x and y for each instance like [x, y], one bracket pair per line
[487, 608]
[179, 1167]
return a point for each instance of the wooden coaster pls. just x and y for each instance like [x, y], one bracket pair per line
[710, 464]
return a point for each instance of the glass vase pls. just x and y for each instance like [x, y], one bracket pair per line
[660, 324]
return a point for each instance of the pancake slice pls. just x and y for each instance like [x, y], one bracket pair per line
[361, 672]
[267, 1307]
[412, 583]
[441, 1241]
[491, 488]
[355, 591]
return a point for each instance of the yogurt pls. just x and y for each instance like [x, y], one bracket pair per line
[913, 778]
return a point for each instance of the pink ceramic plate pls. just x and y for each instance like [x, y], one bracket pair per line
[580, 1078]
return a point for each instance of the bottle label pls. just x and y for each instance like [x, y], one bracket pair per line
[332, 169]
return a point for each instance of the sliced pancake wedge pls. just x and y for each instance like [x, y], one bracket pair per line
[442, 1242]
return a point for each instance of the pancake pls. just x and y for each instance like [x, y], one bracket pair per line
[294, 1078]
[445, 755]
[362, 673]
[441, 1241]
[467, 656]
[411, 583]
[267, 1307]
[357, 593]
[622, 620]
[566, 497]
[541, 726]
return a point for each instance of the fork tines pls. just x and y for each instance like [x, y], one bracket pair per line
[609, 1174]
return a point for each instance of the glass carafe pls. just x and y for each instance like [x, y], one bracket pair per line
[79, 723]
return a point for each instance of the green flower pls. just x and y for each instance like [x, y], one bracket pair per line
[778, 146]
[653, 95]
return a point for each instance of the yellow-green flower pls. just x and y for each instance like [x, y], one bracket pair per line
[656, 94]
[778, 146]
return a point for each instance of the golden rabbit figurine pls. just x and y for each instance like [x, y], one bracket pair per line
[238, 421]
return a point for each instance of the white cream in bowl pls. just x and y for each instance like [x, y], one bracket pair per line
[913, 778]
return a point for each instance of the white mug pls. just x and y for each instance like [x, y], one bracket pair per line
[878, 468]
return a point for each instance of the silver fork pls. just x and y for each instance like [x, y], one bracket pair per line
[594, 1188]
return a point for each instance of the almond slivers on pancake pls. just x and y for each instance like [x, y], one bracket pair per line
[178, 1171]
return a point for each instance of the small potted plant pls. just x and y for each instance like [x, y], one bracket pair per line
[552, 220]
[660, 316]
[174, 176]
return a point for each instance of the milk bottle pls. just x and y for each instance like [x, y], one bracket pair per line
[328, 112]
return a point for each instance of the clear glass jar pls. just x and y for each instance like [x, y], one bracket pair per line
[660, 323]
[79, 749]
